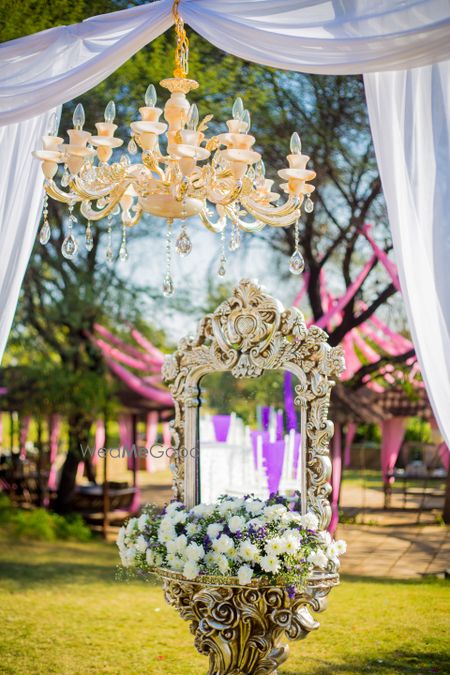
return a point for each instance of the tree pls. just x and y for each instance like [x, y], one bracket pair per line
[61, 300]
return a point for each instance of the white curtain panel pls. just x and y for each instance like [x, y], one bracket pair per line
[410, 121]
[44, 70]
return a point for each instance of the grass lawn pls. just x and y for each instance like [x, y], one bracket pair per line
[62, 611]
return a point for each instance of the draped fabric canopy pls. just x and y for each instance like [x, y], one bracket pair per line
[394, 42]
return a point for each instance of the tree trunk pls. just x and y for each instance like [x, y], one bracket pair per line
[78, 435]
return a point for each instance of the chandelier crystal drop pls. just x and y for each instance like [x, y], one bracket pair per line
[172, 170]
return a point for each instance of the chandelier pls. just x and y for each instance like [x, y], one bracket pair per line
[218, 180]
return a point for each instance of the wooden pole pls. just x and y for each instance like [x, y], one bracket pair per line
[105, 485]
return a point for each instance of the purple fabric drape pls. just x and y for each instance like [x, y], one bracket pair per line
[221, 427]
[273, 454]
[265, 417]
[280, 425]
[350, 435]
[393, 432]
[289, 407]
[336, 473]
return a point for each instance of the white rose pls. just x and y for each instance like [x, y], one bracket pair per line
[236, 524]
[142, 521]
[254, 506]
[223, 564]
[248, 551]
[165, 535]
[237, 503]
[223, 544]
[181, 543]
[149, 557]
[245, 574]
[310, 521]
[341, 546]
[191, 569]
[274, 512]
[326, 538]
[130, 526]
[318, 559]
[172, 507]
[224, 507]
[194, 551]
[141, 544]
[171, 546]
[270, 563]
[214, 530]
[179, 517]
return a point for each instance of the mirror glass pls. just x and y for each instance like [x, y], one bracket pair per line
[249, 436]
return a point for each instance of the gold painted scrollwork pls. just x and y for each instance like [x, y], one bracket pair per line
[249, 333]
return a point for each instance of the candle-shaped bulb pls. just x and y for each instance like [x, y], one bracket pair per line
[192, 120]
[110, 112]
[79, 117]
[150, 96]
[260, 169]
[238, 109]
[52, 125]
[247, 120]
[296, 144]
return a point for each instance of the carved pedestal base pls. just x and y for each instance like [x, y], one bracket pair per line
[242, 628]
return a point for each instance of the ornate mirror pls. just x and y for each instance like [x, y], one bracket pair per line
[230, 431]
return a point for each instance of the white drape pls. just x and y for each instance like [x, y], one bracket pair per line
[316, 36]
[410, 121]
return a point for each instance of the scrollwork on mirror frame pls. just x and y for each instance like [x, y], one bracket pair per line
[247, 334]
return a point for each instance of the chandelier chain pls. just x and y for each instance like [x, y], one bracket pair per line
[182, 48]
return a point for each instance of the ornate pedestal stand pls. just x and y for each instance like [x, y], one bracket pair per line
[242, 628]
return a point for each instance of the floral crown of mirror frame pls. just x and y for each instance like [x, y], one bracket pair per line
[246, 335]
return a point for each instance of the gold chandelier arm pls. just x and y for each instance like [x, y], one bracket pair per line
[217, 198]
[212, 227]
[272, 216]
[130, 222]
[290, 206]
[84, 193]
[91, 214]
[255, 226]
[59, 195]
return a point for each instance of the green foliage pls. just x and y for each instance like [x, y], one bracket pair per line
[42, 525]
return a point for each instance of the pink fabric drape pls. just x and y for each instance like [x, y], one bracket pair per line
[336, 474]
[115, 353]
[444, 454]
[153, 351]
[303, 290]
[126, 436]
[393, 433]
[135, 383]
[383, 257]
[1, 429]
[348, 295]
[54, 431]
[349, 436]
[100, 437]
[151, 433]
[23, 435]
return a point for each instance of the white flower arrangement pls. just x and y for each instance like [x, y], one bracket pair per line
[242, 537]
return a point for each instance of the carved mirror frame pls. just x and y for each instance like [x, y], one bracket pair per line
[246, 335]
